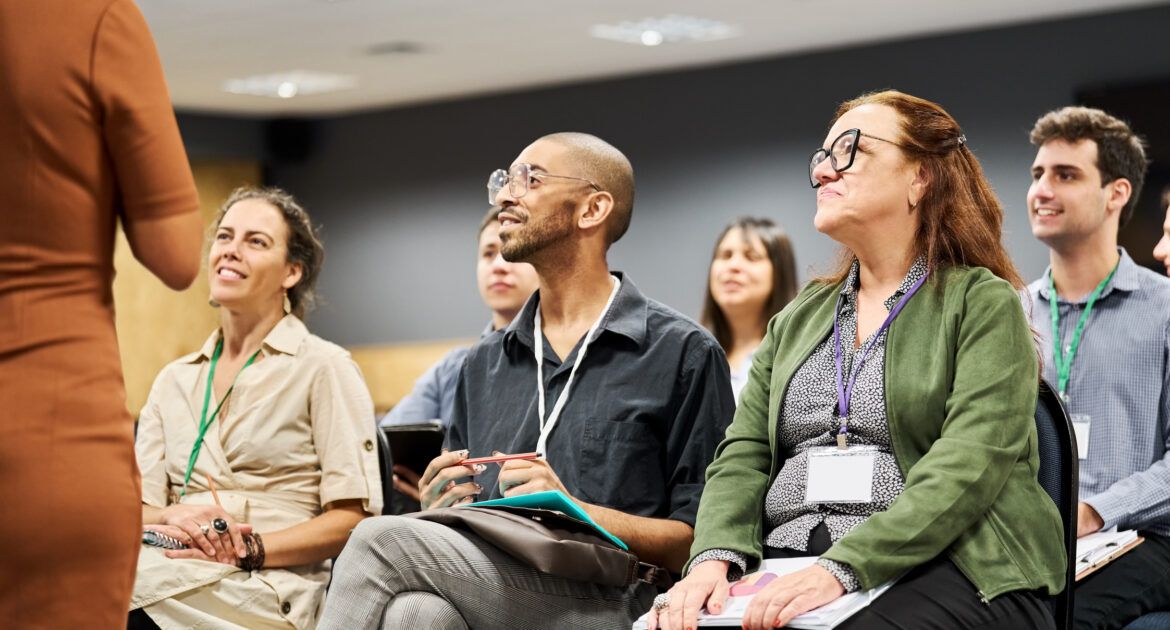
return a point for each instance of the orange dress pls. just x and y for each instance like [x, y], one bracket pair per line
[87, 133]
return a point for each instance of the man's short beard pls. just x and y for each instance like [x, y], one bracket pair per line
[524, 244]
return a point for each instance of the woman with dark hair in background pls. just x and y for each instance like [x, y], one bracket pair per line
[257, 452]
[888, 421]
[752, 276]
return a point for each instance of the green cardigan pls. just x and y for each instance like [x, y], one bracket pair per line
[961, 384]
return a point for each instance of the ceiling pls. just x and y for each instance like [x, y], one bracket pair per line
[414, 51]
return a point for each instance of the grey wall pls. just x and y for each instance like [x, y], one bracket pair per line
[400, 192]
[221, 137]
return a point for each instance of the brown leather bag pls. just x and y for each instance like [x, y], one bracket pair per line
[551, 542]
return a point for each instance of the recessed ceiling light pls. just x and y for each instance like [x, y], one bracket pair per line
[670, 29]
[288, 89]
[290, 84]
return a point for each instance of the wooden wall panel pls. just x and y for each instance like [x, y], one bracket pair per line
[157, 325]
[392, 369]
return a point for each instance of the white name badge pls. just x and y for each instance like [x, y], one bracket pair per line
[840, 476]
[1081, 424]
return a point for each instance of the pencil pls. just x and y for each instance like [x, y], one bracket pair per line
[214, 495]
[498, 458]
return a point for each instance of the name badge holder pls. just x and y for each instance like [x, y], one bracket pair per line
[1081, 424]
[204, 420]
[546, 425]
[844, 474]
[845, 388]
[1063, 357]
[838, 475]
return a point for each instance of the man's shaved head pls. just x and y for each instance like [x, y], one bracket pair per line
[602, 163]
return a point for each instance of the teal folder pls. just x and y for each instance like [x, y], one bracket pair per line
[552, 500]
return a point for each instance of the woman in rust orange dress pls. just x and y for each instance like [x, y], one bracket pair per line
[87, 136]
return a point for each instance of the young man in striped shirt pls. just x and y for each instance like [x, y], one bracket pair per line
[1103, 322]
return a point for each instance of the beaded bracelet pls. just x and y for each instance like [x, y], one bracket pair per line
[254, 560]
[245, 563]
[260, 554]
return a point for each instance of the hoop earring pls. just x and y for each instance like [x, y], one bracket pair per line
[212, 303]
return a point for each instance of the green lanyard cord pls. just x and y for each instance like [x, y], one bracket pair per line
[204, 420]
[1064, 360]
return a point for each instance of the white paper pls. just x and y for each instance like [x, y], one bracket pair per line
[1094, 548]
[823, 618]
[840, 476]
[1081, 424]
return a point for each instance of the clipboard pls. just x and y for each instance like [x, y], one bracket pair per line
[1101, 562]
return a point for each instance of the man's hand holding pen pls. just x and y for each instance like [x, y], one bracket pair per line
[521, 473]
[527, 476]
[438, 488]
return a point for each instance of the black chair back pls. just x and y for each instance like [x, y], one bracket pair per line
[1059, 475]
[386, 467]
[386, 472]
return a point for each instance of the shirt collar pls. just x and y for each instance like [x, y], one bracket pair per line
[286, 338]
[627, 316]
[916, 272]
[1127, 278]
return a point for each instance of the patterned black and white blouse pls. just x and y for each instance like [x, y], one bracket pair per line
[808, 420]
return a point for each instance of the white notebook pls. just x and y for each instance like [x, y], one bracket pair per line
[827, 616]
[1102, 547]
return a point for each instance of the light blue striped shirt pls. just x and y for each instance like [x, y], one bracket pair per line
[1121, 379]
[433, 396]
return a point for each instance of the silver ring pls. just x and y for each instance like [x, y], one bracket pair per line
[662, 601]
[219, 525]
[204, 529]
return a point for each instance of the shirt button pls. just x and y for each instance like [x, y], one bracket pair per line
[285, 607]
[369, 445]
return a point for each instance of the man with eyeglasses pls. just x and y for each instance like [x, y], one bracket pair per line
[624, 399]
[1104, 324]
[504, 288]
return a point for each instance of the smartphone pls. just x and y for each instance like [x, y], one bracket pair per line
[159, 539]
[415, 445]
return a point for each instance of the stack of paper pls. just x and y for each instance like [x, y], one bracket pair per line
[1096, 550]
[825, 617]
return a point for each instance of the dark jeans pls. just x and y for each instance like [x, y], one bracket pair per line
[1127, 588]
[935, 595]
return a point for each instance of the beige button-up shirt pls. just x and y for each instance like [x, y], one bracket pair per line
[295, 434]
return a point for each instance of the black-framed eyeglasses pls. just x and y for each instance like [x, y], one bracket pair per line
[840, 153]
[518, 179]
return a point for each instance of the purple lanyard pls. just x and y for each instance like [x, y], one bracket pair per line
[845, 390]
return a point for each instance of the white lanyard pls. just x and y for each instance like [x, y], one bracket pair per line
[546, 427]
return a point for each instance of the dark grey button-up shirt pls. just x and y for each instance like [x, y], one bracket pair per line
[648, 406]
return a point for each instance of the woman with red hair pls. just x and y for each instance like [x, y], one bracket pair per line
[887, 424]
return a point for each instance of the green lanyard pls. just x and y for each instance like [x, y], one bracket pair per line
[205, 421]
[1064, 361]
